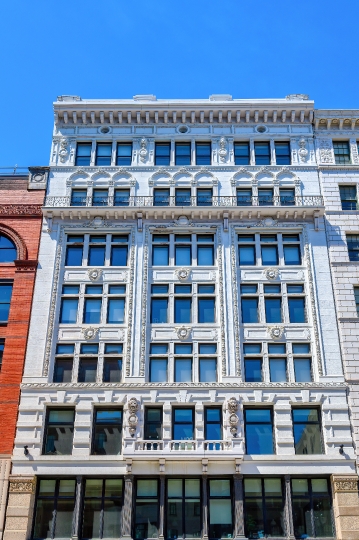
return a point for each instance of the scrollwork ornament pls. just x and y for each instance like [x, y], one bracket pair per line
[346, 485]
[94, 273]
[133, 407]
[63, 150]
[276, 332]
[233, 423]
[183, 273]
[232, 405]
[183, 332]
[89, 333]
[20, 485]
[302, 152]
[223, 151]
[143, 150]
[271, 273]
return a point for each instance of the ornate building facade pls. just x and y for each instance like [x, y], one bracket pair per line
[184, 375]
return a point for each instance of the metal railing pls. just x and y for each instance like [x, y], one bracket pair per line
[223, 202]
[14, 171]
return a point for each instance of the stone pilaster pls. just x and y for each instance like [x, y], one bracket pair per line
[205, 507]
[19, 512]
[346, 506]
[5, 467]
[288, 509]
[77, 509]
[162, 508]
[238, 507]
[127, 507]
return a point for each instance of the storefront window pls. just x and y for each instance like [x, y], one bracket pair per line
[54, 508]
[146, 509]
[263, 507]
[312, 516]
[101, 517]
[183, 508]
[220, 509]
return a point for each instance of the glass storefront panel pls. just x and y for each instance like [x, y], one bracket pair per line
[263, 507]
[312, 512]
[183, 516]
[43, 519]
[112, 518]
[220, 509]
[146, 512]
[91, 519]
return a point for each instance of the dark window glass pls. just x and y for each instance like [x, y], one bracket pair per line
[161, 197]
[278, 369]
[203, 153]
[183, 197]
[206, 310]
[183, 310]
[55, 503]
[291, 254]
[122, 197]
[262, 153]
[183, 153]
[205, 250]
[259, 431]
[287, 197]
[341, 152]
[183, 369]
[220, 509]
[59, 431]
[112, 370]
[356, 297]
[269, 250]
[265, 197]
[159, 308]
[79, 197]
[107, 432]
[353, 246]
[74, 251]
[96, 256]
[158, 370]
[63, 370]
[124, 154]
[146, 519]
[273, 310]
[92, 311]
[246, 250]
[348, 197]
[282, 153]
[263, 508]
[183, 508]
[119, 250]
[244, 197]
[8, 251]
[253, 369]
[241, 153]
[68, 312]
[183, 424]
[87, 370]
[250, 310]
[2, 346]
[213, 424]
[303, 369]
[102, 508]
[103, 154]
[100, 197]
[297, 310]
[204, 197]
[312, 516]
[153, 423]
[307, 431]
[5, 299]
[116, 311]
[83, 154]
[162, 153]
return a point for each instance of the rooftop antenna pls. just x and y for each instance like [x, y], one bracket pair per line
[15, 169]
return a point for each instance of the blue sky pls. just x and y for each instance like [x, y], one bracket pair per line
[170, 48]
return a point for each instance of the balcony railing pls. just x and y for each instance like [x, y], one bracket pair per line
[162, 202]
[149, 445]
[211, 446]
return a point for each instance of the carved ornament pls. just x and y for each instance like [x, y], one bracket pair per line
[94, 273]
[276, 332]
[20, 485]
[346, 485]
[133, 407]
[89, 333]
[183, 273]
[183, 332]
[303, 152]
[271, 273]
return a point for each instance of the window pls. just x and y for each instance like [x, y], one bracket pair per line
[122, 197]
[102, 508]
[83, 154]
[263, 508]
[302, 362]
[205, 250]
[249, 304]
[253, 362]
[287, 197]
[183, 304]
[244, 197]
[158, 362]
[116, 304]
[183, 197]
[282, 153]
[159, 304]
[204, 196]
[112, 362]
[63, 363]
[262, 153]
[183, 362]
[203, 153]
[59, 432]
[69, 304]
[206, 304]
[259, 431]
[188, 249]
[107, 432]
[220, 509]
[153, 423]
[100, 197]
[269, 249]
[74, 250]
[296, 304]
[356, 296]
[2, 346]
[92, 304]
[146, 519]
[273, 304]
[183, 424]
[119, 250]
[88, 362]
[341, 152]
[8, 251]
[241, 153]
[103, 154]
[162, 153]
[246, 249]
[348, 197]
[161, 197]
[97, 250]
[5, 299]
[79, 197]
[265, 197]
[183, 153]
[213, 425]
[124, 154]
[277, 362]
[55, 503]
[291, 249]
[312, 515]
[207, 356]
[353, 247]
[249, 254]
[307, 431]
[183, 508]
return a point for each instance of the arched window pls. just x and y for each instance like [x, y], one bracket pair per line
[8, 251]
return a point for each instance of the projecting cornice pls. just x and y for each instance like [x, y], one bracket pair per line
[336, 120]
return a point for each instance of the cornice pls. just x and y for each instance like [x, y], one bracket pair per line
[338, 168]
[174, 386]
[91, 170]
[28, 210]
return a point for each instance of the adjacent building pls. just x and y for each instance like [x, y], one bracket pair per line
[184, 374]
[21, 199]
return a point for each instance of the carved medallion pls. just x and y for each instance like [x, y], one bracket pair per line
[94, 273]
[89, 333]
[271, 273]
[183, 332]
[183, 273]
[276, 332]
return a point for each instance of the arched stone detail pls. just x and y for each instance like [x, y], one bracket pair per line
[16, 238]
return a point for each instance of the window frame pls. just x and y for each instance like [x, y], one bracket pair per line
[341, 150]
[318, 423]
[192, 409]
[274, 445]
[106, 425]
[183, 500]
[6, 283]
[46, 426]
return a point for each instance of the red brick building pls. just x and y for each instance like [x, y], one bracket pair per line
[21, 199]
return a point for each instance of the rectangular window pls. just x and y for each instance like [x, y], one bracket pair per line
[158, 362]
[341, 152]
[353, 247]
[244, 197]
[241, 153]
[124, 154]
[259, 431]
[54, 508]
[287, 197]
[204, 197]
[160, 250]
[183, 508]
[311, 503]
[183, 304]
[92, 305]
[262, 153]
[253, 362]
[74, 250]
[162, 153]
[273, 303]
[220, 509]
[107, 432]
[205, 249]
[213, 424]
[183, 197]
[183, 153]
[159, 304]
[79, 197]
[116, 304]
[183, 424]
[302, 362]
[83, 154]
[5, 300]
[207, 357]
[265, 197]
[146, 519]
[153, 424]
[203, 153]
[100, 197]
[356, 296]
[206, 304]
[183, 362]
[249, 304]
[291, 249]
[103, 154]
[88, 363]
[119, 250]
[69, 304]
[59, 432]
[246, 250]
[2, 346]
[112, 362]
[269, 249]
[63, 363]
[183, 250]
[296, 304]
[102, 508]
[161, 197]
[348, 197]
[307, 431]
[263, 508]
[122, 197]
[97, 250]
[282, 153]
[277, 362]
